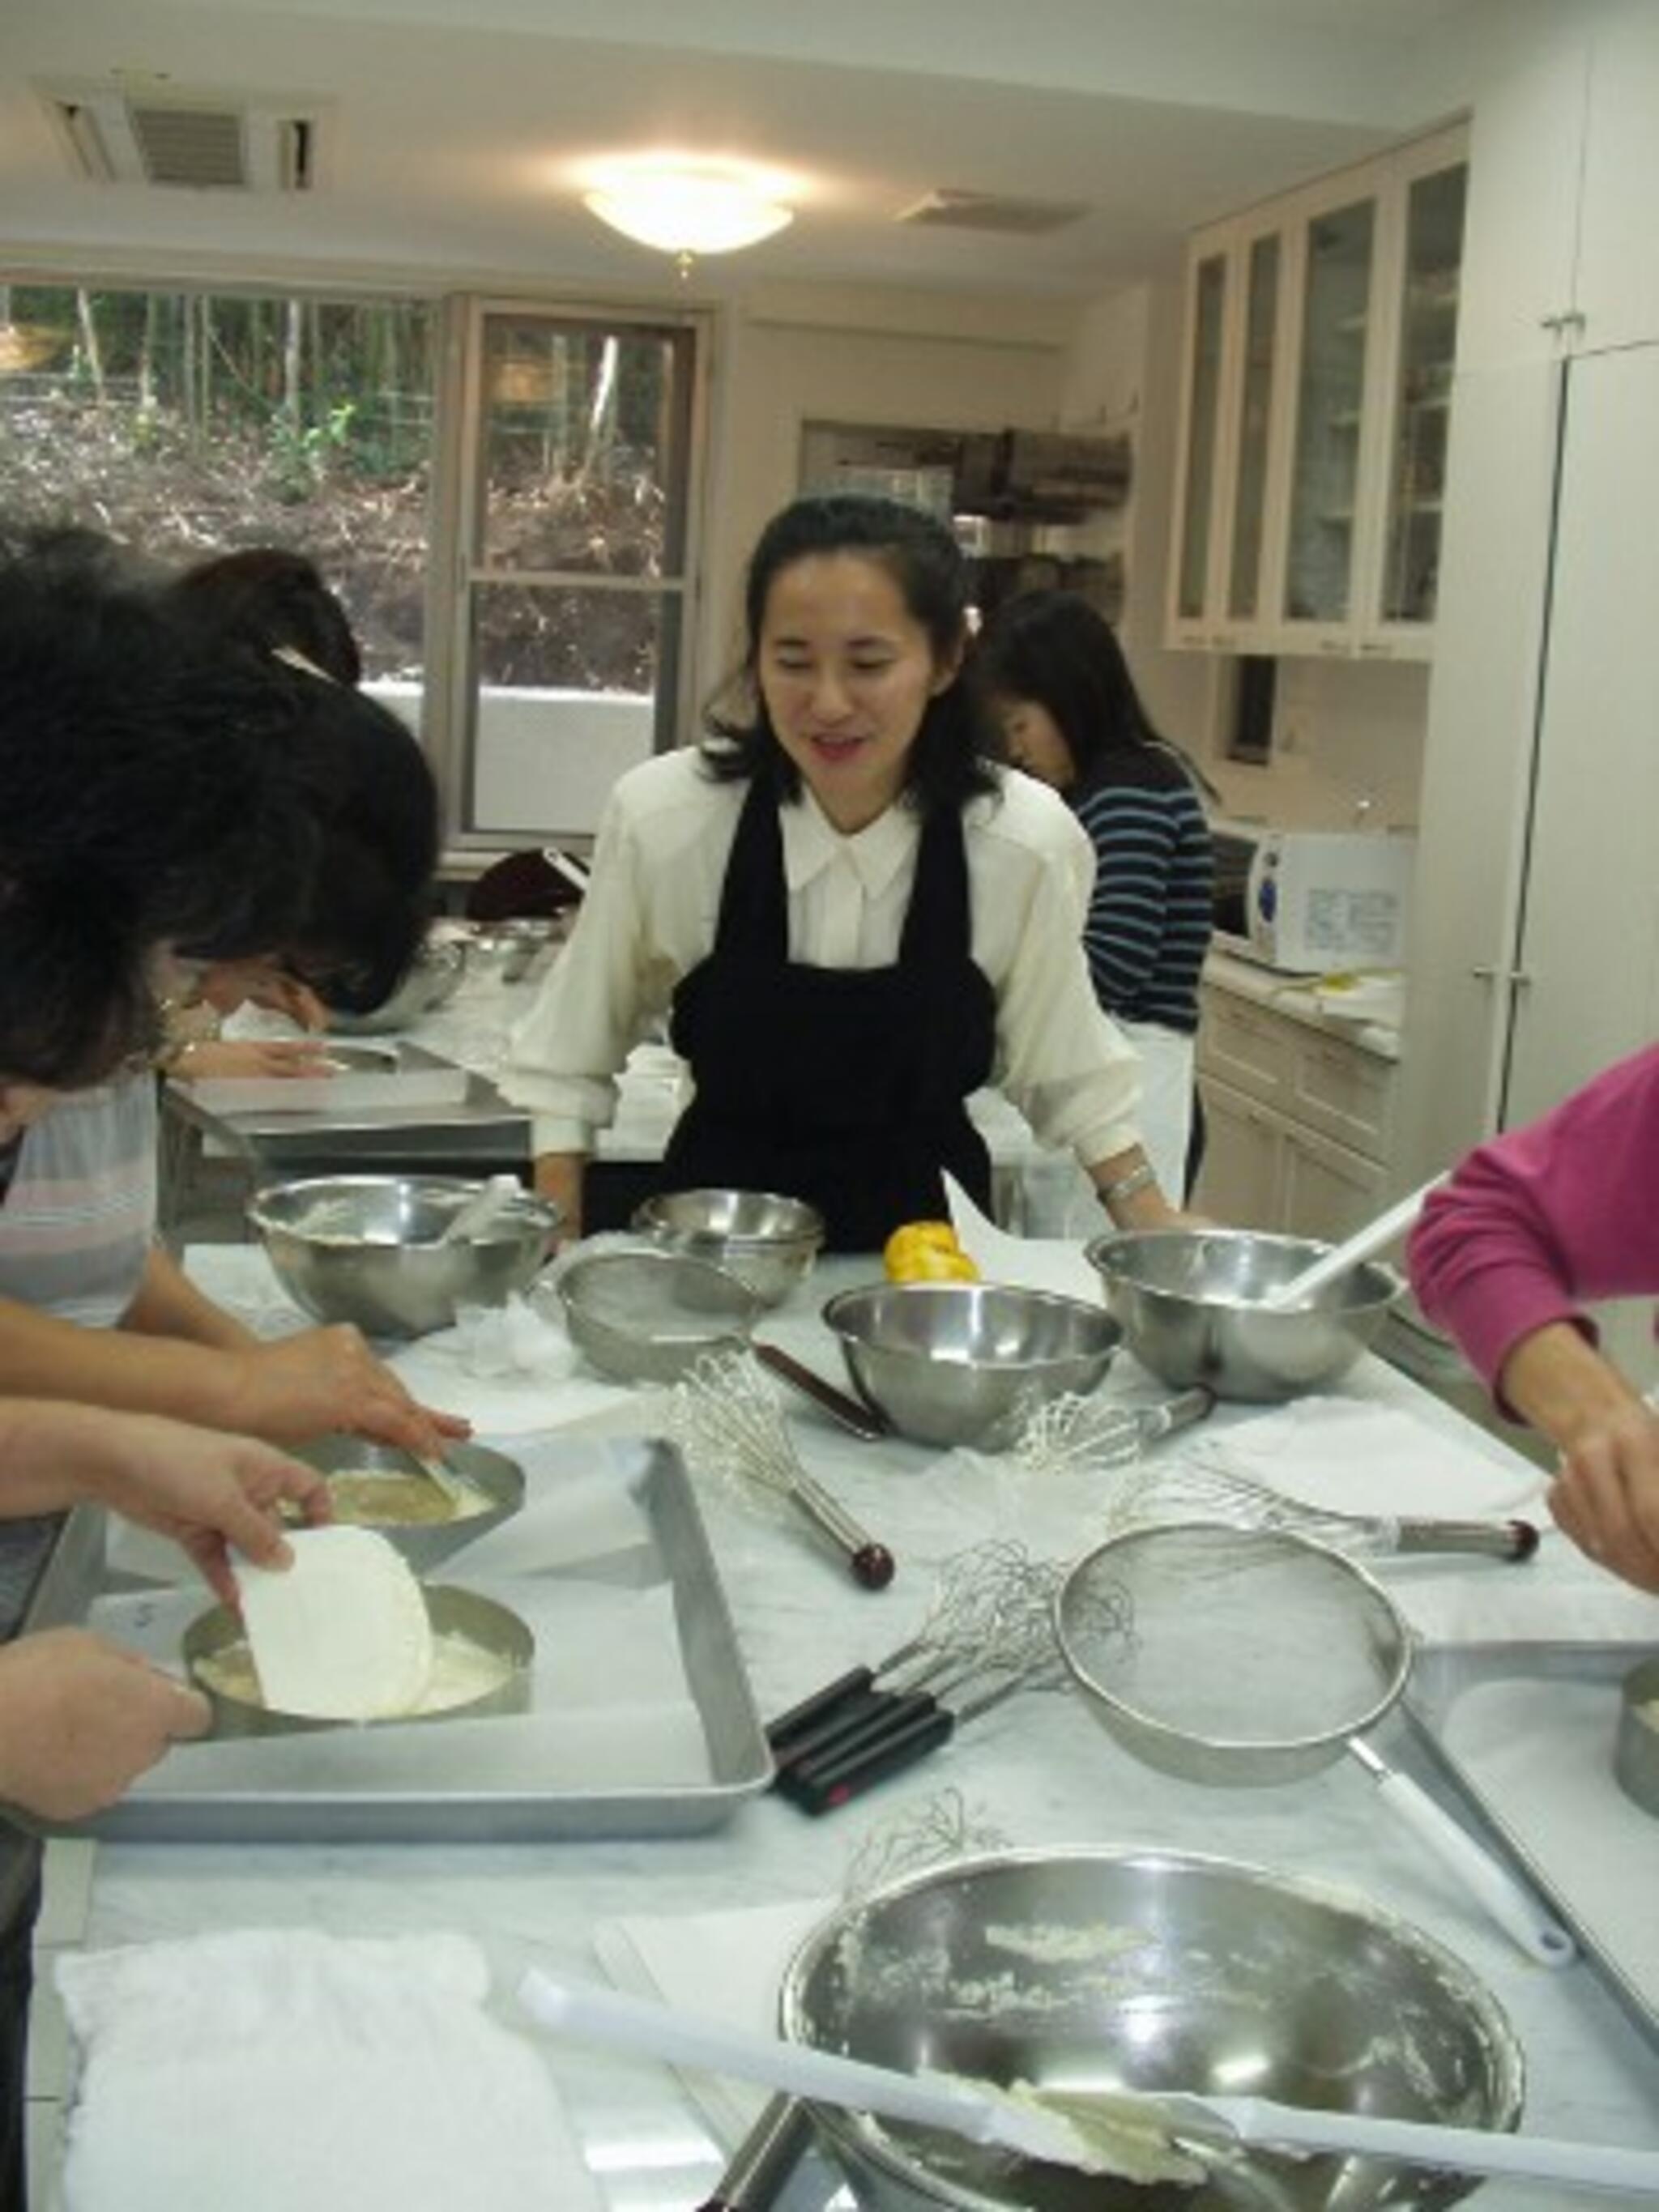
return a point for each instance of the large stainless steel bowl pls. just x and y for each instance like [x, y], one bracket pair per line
[367, 1248]
[434, 975]
[1147, 1970]
[770, 1241]
[1190, 1304]
[968, 1363]
[414, 1514]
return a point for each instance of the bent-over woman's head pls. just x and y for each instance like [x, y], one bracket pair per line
[1053, 649]
[947, 752]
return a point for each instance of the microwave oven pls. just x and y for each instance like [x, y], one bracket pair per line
[1318, 901]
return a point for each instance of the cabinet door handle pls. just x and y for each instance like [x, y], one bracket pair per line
[1485, 973]
[1376, 650]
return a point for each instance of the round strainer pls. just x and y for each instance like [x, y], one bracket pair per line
[649, 1316]
[1223, 1654]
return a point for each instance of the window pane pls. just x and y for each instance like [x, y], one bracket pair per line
[187, 423]
[567, 686]
[1204, 405]
[1428, 341]
[583, 451]
[1330, 402]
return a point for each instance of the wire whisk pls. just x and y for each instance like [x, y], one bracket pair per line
[729, 1426]
[1203, 1486]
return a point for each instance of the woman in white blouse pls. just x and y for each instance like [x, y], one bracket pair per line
[850, 917]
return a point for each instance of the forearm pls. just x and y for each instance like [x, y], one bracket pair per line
[561, 1177]
[1129, 1191]
[169, 1305]
[1560, 1384]
[43, 1357]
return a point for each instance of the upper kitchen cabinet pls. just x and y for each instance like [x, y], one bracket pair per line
[1322, 334]
[1616, 299]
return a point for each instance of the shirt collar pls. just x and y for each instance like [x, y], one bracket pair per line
[812, 844]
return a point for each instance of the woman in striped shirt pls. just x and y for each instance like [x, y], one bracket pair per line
[1062, 690]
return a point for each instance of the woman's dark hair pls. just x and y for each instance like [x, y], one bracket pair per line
[948, 764]
[148, 801]
[1057, 650]
[270, 598]
[372, 798]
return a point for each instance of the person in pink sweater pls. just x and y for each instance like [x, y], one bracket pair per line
[1532, 1224]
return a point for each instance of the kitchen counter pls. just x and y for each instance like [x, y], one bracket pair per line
[1296, 997]
[1038, 1769]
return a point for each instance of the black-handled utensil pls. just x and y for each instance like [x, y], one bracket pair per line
[918, 1724]
[848, 1413]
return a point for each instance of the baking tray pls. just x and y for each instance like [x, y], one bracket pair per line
[675, 1552]
[1526, 1731]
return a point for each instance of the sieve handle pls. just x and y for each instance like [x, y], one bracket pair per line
[1512, 1906]
[1488, 1539]
[763, 2161]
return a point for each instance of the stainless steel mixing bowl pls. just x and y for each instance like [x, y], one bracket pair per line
[1190, 1304]
[366, 1248]
[968, 1363]
[464, 1613]
[768, 1240]
[434, 975]
[649, 1316]
[425, 1543]
[1147, 1970]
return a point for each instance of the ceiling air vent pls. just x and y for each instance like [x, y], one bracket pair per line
[945, 209]
[155, 132]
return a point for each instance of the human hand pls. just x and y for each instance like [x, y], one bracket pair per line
[79, 1718]
[286, 994]
[322, 1379]
[206, 1490]
[252, 1057]
[559, 1177]
[1605, 1492]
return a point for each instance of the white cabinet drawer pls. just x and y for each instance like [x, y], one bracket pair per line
[1341, 1092]
[1246, 1046]
[1327, 1190]
[1239, 1181]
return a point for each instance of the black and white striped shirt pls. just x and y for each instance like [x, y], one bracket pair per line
[1149, 921]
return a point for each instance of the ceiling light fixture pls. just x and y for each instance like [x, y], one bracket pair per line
[685, 207]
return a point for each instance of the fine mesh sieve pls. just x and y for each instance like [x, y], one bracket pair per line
[1231, 1654]
[649, 1316]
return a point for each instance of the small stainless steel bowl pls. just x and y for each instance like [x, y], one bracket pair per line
[1076, 1969]
[366, 1248]
[1229, 1655]
[463, 1612]
[768, 1240]
[649, 1315]
[434, 975]
[1190, 1304]
[1636, 1752]
[426, 1542]
[968, 1363]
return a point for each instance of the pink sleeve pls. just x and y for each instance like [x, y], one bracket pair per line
[1546, 1217]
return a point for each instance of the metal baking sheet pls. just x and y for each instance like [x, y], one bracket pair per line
[676, 1551]
[1526, 1731]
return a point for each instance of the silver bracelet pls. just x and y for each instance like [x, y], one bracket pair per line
[1140, 1178]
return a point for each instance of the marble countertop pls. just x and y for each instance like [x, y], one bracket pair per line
[1299, 998]
[1038, 1770]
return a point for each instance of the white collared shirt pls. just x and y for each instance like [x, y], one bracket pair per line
[650, 914]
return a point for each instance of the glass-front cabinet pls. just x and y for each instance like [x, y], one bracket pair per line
[1321, 339]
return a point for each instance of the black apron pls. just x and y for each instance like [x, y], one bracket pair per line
[841, 1086]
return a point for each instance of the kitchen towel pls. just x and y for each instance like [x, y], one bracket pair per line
[271, 2069]
[727, 1966]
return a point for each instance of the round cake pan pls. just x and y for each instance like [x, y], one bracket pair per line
[1636, 1752]
[498, 1480]
[482, 1620]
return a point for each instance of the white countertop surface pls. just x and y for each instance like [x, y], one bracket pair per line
[1300, 998]
[1038, 1769]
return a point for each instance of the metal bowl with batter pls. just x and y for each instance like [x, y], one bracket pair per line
[1073, 1968]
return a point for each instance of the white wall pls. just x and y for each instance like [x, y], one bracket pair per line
[785, 356]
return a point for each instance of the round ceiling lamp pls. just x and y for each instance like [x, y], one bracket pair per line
[687, 207]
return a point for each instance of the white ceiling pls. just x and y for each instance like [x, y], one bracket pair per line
[455, 127]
